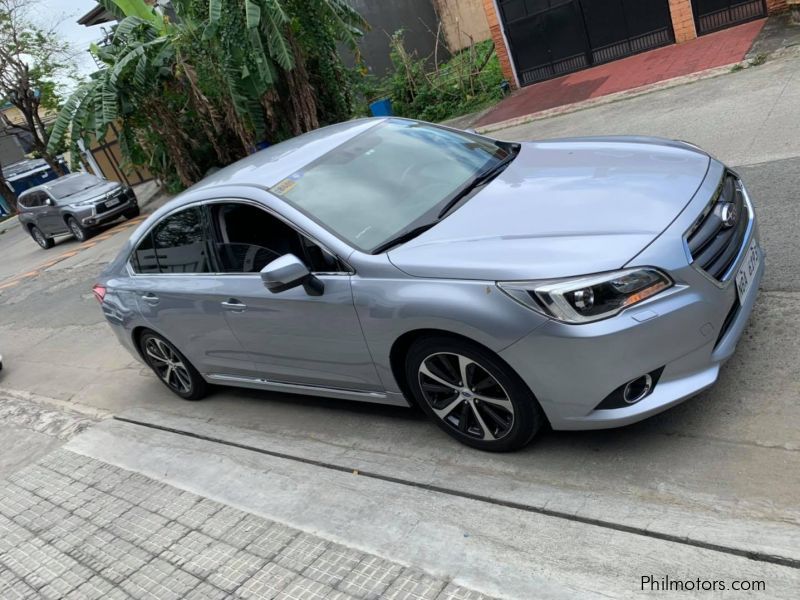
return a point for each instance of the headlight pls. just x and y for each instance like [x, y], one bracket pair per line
[591, 298]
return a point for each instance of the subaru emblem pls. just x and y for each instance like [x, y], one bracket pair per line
[729, 215]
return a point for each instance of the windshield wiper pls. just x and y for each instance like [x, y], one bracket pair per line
[409, 234]
[480, 179]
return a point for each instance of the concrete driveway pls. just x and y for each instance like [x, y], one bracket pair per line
[708, 489]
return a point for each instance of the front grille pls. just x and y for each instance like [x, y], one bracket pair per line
[714, 243]
[103, 207]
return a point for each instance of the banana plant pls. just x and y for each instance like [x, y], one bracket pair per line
[228, 58]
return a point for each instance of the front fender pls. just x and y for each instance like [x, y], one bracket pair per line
[477, 310]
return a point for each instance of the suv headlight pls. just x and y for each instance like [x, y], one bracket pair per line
[587, 299]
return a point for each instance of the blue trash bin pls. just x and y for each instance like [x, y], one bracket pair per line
[381, 108]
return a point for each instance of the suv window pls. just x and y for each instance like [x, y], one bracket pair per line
[248, 238]
[178, 244]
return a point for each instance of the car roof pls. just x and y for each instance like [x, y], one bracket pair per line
[53, 183]
[271, 165]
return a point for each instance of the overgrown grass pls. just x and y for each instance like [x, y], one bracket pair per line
[421, 89]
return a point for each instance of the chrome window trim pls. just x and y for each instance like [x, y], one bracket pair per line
[270, 211]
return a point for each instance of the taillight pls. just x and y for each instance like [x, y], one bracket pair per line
[99, 292]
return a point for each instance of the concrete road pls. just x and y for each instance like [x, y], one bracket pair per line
[718, 475]
[742, 118]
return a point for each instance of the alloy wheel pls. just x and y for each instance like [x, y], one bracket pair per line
[76, 230]
[466, 396]
[166, 362]
[39, 237]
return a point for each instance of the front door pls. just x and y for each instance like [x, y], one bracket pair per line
[290, 337]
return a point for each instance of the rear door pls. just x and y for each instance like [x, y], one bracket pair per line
[180, 295]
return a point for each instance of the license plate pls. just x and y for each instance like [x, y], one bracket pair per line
[112, 202]
[747, 272]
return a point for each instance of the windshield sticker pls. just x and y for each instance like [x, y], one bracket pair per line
[285, 186]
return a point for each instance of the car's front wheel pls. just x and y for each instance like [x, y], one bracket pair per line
[40, 238]
[472, 395]
[171, 367]
[79, 232]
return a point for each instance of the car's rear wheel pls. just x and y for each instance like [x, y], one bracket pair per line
[131, 213]
[79, 232]
[172, 367]
[40, 238]
[472, 395]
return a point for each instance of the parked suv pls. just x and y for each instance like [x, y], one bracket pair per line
[73, 204]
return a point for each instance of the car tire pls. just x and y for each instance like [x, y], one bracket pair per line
[132, 213]
[79, 232]
[172, 367]
[493, 410]
[40, 238]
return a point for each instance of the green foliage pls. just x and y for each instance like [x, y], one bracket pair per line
[469, 81]
[198, 90]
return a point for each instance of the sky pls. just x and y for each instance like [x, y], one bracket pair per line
[64, 14]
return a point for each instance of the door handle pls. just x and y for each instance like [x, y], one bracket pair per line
[150, 298]
[233, 305]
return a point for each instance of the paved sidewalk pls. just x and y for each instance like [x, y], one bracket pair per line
[77, 528]
[706, 52]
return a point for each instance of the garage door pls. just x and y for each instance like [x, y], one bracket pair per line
[549, 38]
[712, 15]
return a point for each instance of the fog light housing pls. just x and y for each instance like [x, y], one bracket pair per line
[637, 389]
[632, 392]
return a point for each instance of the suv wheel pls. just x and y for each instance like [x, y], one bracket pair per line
[172, 368]
[132, 213]
[472, 395]
[39, 238]
[77, 230]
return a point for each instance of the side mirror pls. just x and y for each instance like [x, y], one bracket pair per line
[49, 202]
[288, 272]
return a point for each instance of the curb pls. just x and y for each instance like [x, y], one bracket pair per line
[609, 98]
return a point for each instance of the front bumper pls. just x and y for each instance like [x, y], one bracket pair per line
[94, 219]
[689, 330]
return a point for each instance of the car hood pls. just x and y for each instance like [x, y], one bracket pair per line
[92, 193]
[562, 208]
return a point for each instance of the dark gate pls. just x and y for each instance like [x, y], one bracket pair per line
[713, 15]
[549, 38]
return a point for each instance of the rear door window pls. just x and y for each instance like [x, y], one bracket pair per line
[31, 200]
[177, 244]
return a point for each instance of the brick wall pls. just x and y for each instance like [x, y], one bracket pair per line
[499, 41]
[774, 6]
[682, 20]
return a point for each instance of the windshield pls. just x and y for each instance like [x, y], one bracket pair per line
[388, 179]
[73, 185]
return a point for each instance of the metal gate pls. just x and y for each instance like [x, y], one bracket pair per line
[713, 15]
[549, 38]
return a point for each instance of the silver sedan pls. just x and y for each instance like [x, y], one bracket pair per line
[580, 283]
